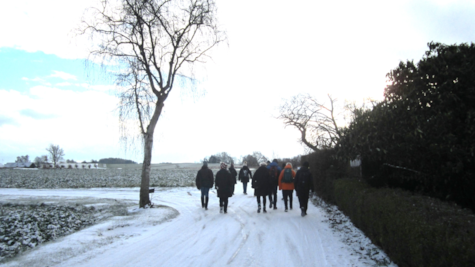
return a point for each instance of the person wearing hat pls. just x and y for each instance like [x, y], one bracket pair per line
[261, 183]
[224, 186]
[244, 175]
[303, 184]
[204, 181]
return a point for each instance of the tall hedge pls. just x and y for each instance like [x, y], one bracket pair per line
[413, 230]
[423, 133]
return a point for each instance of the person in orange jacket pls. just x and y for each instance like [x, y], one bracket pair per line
[286, 183]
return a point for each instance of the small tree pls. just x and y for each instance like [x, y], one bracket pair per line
[153, 42]
[56, 153]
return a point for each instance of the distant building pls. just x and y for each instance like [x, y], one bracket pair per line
[74, 165]
[20, 165]
[356, 162]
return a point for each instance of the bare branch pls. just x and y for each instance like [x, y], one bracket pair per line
[315, 121]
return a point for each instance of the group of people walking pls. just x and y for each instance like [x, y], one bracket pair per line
[267, 180]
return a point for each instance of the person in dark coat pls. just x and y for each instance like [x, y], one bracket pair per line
[274, 184]
[234, 174]
[244, 175]
[303, 184]
[204, 181]
[274, 172]
[262, 186]
[224, 185]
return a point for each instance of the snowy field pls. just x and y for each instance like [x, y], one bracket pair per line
[115, 175]
[178, 232]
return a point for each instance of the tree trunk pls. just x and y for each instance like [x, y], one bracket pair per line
[303, 138]
[147, 161]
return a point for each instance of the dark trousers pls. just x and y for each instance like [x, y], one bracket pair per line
[273, 195]
[223, 202]
[259, 200]
[288, 194]
[303, 200]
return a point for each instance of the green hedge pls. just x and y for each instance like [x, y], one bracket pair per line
[413, 230]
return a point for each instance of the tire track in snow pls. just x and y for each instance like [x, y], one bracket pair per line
[243, 234]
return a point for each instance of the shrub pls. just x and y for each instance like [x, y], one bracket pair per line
[413, 230]
[325, 169]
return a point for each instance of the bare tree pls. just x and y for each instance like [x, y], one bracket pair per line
[259, 157]
[41, 159]
[250, 160]
[153, 42]
[315, 121]
[254, 159]
[22, 159]
[56, 153]
[224, 157]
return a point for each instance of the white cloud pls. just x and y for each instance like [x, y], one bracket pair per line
[77, 121]
[63, 75]
[36, 79]
[48, 22]
[64, 84]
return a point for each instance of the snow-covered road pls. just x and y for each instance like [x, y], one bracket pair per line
[181, 233]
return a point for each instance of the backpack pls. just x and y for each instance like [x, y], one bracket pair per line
[287, 178]
[244, 173]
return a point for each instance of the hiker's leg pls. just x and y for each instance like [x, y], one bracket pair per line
[291, 197]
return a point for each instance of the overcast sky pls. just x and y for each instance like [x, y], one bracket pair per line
[276, 49]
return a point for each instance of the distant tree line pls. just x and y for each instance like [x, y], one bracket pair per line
[116, 161]
[56, 154]
[252, 160]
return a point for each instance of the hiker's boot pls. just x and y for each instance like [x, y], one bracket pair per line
[206, 203]
[270, 205]
[259, 209]
[202, 202]
[303, 212]
[221, 209]
[265, 211]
